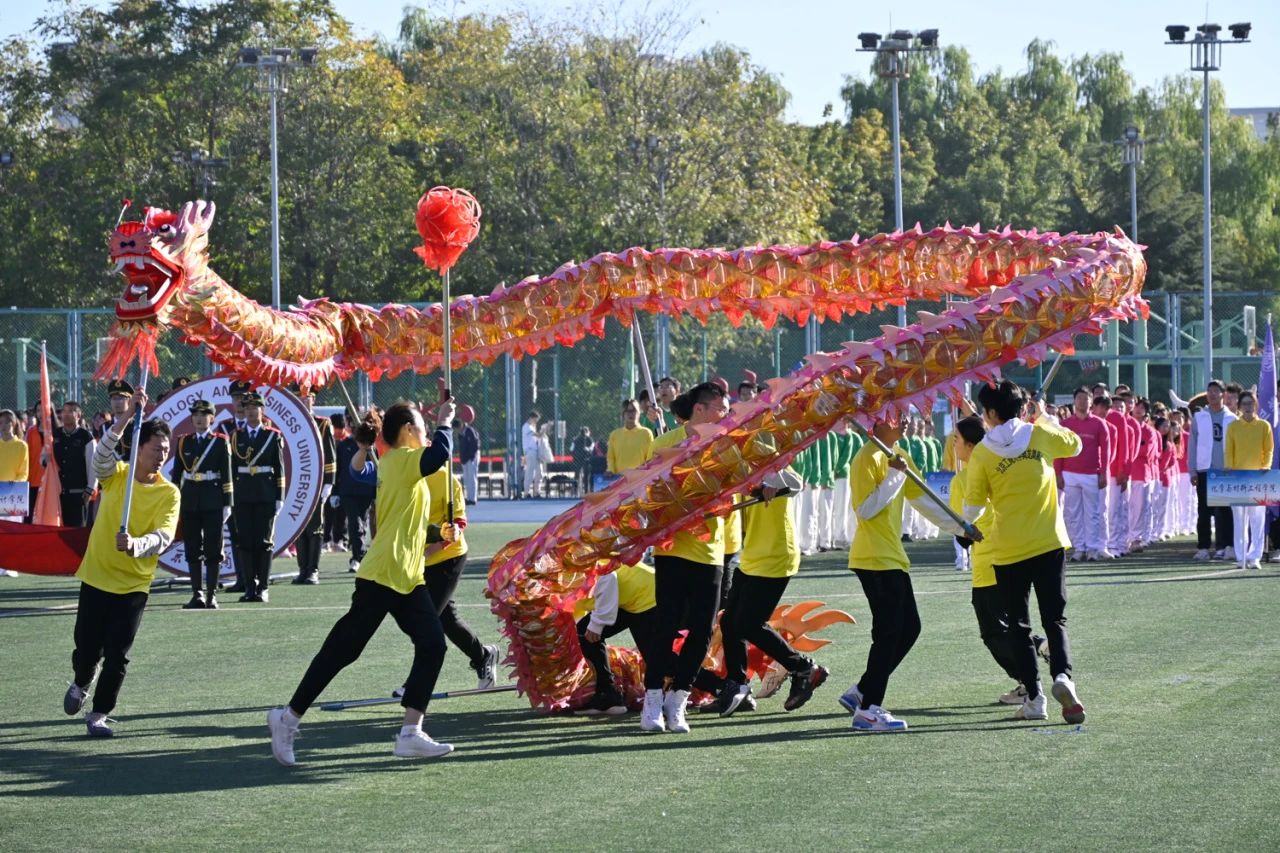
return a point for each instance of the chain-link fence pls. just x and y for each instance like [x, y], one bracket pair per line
[582, 385]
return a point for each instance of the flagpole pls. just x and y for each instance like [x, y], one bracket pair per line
[447, 345]
[133, 453]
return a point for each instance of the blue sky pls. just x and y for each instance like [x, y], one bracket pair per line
[810, 44]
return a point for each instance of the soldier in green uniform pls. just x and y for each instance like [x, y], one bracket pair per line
[258, 463]
[202, 471]
[311, 541]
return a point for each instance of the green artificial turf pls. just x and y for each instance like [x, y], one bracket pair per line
[1175, 661]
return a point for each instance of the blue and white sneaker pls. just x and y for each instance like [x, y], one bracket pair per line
[877, 719]
[98, 726]
[73, 700]
[851, 699]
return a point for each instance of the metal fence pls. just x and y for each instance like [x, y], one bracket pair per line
[582, 385]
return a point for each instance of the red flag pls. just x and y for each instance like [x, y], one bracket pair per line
[37, 549]
[48, 508]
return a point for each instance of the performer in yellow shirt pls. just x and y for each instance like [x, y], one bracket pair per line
[993, 621]
[620, 600]
[118, 566]
[14, 458]
[770, 557]
[390, 581]
[1012, 471]
[629, 444]
[687, 578]
[1249, 448]
[879, 486]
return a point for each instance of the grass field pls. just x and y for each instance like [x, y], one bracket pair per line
[1175, 661]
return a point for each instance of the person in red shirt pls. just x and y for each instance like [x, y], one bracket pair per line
[1166, 467]
[1083, 478]
[1142, 479]
[1102, 408]
[1184, 492]
[1118, 482]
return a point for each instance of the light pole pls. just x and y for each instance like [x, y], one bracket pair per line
[659, 149]
[203, 165]
[891, 54]
[1206, 56]
[1134, 145]
[272, 67]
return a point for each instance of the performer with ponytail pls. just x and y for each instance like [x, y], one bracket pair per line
[390, 581]
[1012, 471]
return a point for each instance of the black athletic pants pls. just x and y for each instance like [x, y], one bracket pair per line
[106, 623]
[1047, 574]
[202, 542]
[731, 562]
[746, 620]
[688, 595]
[357, 512]
[993, 627]
[309, 544]
[416, 615]
[442, 580]
[895, 625]
[1223, 533]
[644, 630]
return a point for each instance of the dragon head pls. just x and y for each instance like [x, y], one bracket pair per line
[151, 256]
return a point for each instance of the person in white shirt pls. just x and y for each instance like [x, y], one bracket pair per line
[532, 463]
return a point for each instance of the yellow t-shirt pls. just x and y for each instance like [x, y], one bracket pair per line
[984, 573]
[733, 529]
[13, 460]
[686, 545]
[1023, 494]
[635, 591]
[769, 548]
[394, 558]
[439, 510]
[628, 448]
[155, 507]
[1248, 447]
[949, 452]
[877, 542]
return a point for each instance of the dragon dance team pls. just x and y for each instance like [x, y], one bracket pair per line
[1006, 491]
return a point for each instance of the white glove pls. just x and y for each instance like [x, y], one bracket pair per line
[335, 501]
[226, 515]
[279, 504]
[325, 491]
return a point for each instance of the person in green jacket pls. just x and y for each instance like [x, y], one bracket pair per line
[841, 508]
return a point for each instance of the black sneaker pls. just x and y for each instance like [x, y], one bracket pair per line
[196, 602]
[748, 704]
[212, 603]
[487, 671]
[732, 696]
[802, 686]
[610, 704]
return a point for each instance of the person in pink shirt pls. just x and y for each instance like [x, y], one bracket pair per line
[1083, 478]
[1184, 491]
[1166, 468]
[1142, 479]
[1118, 482]
[1102, 408]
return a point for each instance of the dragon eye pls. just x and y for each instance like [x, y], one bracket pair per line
[165, 230]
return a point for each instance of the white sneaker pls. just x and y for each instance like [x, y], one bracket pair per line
[1253, 564]
[419, 744]
[282, 736]
[353, 565]
[673, 707]
[877, 719]
[1016, 696]
[851, 699]
[5, 573]
[651, 714]
[772, 681]
[1202, 556]
[1104, 554]
[1064, 690]
[1033, 709]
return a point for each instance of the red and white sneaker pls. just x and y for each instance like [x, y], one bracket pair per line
[1064, 690]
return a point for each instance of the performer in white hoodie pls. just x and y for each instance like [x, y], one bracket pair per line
[1012, 470]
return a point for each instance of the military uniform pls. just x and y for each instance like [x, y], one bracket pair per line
[311, 541]
[202, 471]
[228, 427]
[124, 447]
[258, 477]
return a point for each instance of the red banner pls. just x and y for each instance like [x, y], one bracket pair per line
[39, 549]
